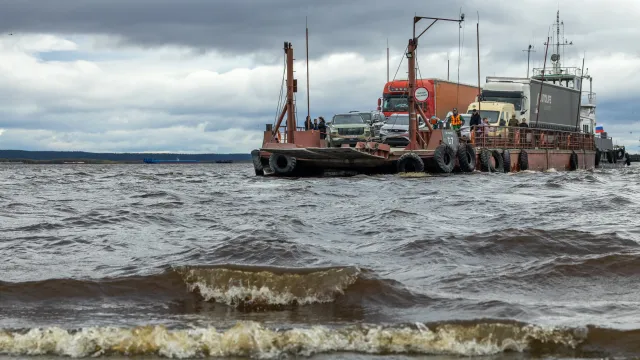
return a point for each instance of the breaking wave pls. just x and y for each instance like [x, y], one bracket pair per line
[240, 286]
[252, 339]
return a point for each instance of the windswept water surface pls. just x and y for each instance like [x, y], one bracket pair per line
[209, 260]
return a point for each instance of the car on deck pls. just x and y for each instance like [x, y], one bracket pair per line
[347, 128]
[395, 132]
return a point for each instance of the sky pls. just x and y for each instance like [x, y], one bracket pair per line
[204, 76]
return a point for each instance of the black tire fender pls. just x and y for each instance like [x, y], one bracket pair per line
[598, 155]
[609, 157]
[257, 163]
[466, 157]
[410, 161]
[506, 160]
[282, 164]
[620, 154]
[485, 161]
[497, 157]
[573, 161]
[523, 160]
[445, 158]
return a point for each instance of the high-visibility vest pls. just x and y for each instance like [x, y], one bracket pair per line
[455, 120]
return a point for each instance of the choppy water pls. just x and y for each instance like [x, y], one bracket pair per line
[209, 260]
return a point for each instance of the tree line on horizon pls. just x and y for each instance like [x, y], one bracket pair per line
[19, 155]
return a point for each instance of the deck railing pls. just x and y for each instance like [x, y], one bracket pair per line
[506, 137]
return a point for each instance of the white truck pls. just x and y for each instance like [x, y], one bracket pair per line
[558, 104]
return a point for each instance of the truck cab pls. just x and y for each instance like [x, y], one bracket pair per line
[495, 112]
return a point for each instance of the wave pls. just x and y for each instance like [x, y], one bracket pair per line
[251, 288]
[251, 339]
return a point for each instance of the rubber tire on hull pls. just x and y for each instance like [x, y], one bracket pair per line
[573, 161]
[257, 164]
[598, 155]
[275, 163]
[615, 158]
[506, 160]
[523, 160]
[609, 157]
[485, 161]
[620, 154]
[497, 157]
[466, 157]
[411, 162]
[444, 157]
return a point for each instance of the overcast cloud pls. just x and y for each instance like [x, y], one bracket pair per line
[204, 75]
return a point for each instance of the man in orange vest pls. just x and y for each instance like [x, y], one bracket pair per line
[456, 122]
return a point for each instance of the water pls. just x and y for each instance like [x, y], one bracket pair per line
[209, 260]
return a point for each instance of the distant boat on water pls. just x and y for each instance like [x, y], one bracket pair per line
[160, 161]
[224, 161]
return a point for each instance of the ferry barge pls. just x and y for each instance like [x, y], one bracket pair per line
[291, 151]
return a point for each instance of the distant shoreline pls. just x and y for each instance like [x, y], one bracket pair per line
[82, 157]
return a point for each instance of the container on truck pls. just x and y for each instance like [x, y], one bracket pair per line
[443, 96]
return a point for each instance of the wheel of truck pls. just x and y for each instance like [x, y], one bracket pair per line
[506, 160]
[445, 158]
[497, 157]
[523, 160]
[257, 163]
[485, 161]
[410, 162]
[466, 157]
[282, 164]
[573, 161]
[598, 155]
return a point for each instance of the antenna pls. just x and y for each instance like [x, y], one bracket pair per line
[387, 59]
[529, 51]
[307, 44]
[555, 57]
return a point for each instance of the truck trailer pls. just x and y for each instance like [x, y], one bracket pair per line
[558, 109]
[443, 97]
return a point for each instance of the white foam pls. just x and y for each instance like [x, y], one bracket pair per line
[253, 340]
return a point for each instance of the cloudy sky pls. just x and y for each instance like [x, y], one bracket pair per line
[205, 75]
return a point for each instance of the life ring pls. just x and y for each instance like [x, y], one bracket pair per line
[485, 161]
[523, 160]
[282, 164]
[466, 157]
[609, 157]
[573, 161]
[410, 162]
[598, 155]
[445, 158]
[497, 157]
[257, 163]
[506, 160]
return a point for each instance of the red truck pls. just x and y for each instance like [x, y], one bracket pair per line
[443, 97]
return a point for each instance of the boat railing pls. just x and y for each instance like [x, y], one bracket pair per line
[281, 135]
[506, 137]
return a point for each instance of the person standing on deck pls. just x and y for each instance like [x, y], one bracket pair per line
[475, 120]
[307, 123]
[322, 127]
[315, 124]
[524, 123]
[456, 122]
[513, 121]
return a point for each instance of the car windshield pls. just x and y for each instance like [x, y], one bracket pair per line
[347, 119]
[366, 116]
[398, 120]
[491, 115]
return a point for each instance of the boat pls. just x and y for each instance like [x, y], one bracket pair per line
[165, 161]
[290, 151]
[224, 161]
